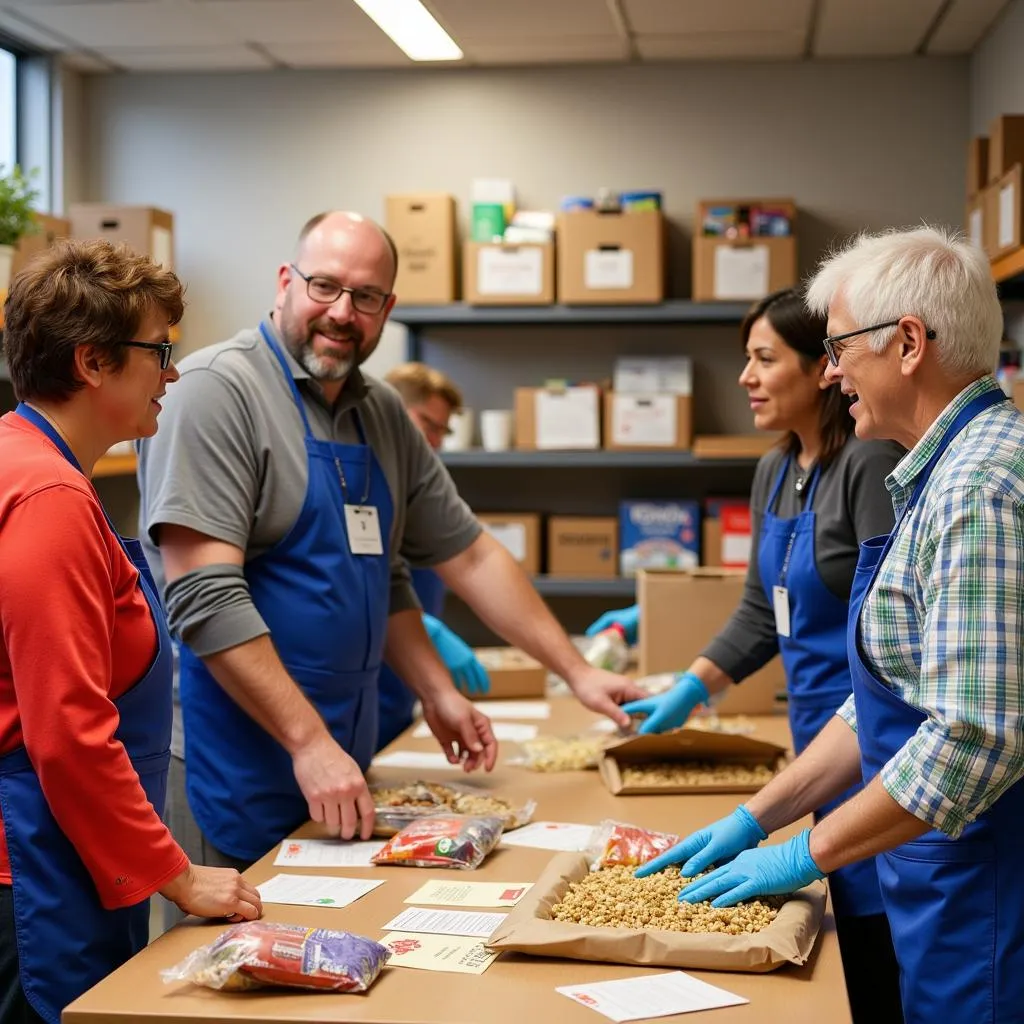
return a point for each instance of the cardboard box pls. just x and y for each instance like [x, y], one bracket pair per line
[583, 546]
[519, 532]
[1006, 229]
[607, 258]
[561, 419]
[726, 534]
[655, 422]
[1005, 145]
[686, 745]
[508, 275]
[423, 228]
[742, 270]
[1018, 395]
[513, 674]
[29, 246]
[659, 535]
[977, 226]
[644, 375]
[977, 165]
[680, 613]
[734, 446]
[145, 229]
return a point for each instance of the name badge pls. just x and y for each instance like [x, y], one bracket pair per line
[780, 599]
[363, 525]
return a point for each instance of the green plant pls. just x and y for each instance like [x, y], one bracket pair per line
[17, 215]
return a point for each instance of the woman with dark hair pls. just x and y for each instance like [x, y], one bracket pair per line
[815, 497]
[85, 657]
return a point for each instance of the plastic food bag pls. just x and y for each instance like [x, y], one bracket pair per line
[562, 753]
[613, 842]
[255, 954]
[442, 841]
[398, 806]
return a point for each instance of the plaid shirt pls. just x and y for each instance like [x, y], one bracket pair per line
[943, 626]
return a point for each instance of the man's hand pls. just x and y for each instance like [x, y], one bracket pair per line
[463, 731]
[603, 692]
[334, 787]
[214, 892]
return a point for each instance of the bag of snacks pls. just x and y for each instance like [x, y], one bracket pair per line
[398, 805]
[562, 753]
[255, 954]
[442, 841]
[615, 843]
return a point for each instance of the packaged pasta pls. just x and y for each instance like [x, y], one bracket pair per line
[398, 805]
[255, 954]
[614, 843]
[442, 841]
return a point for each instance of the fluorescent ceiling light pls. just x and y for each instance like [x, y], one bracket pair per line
[413, 29]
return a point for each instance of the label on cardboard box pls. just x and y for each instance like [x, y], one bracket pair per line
[511, 536]
[510, 271]
[647, 375]
[567, 419]
[659, 535]
[608, 268]
[741, 272]
[975, 229]
[1007, 207]
[644, 420]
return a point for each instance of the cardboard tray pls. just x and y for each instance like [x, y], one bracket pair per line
[686, 745]
[528, 928]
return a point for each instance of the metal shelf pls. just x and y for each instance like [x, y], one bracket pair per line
[672, 312]
[559, 586]
[479, 459]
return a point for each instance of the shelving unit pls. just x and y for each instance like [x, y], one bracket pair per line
[565, 586]
[478, 458]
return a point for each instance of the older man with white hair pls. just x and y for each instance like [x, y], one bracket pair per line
[936, 720]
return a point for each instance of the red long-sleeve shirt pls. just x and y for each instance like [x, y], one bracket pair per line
[75, 634]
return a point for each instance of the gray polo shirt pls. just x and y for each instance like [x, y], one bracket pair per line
[851, 505]
[229, 461]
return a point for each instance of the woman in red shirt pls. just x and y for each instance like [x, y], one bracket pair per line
[85, 666]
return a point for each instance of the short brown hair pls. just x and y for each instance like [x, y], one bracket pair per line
[80, 293]
[416, 383]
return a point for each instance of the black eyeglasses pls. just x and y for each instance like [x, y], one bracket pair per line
[163, 347]
[834, 349]
[326, 290]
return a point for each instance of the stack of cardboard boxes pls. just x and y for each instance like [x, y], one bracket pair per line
[994, 215]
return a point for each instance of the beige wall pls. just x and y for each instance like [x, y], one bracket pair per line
[997, 71]
[242, 160]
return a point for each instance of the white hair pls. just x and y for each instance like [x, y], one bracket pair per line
[927, 272]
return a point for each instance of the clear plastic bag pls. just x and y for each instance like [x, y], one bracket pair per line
[255, 954]
[398, 806]
[614, 842]
[442, 841]
[562, 753]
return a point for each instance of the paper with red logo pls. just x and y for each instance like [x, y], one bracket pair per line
[651, 995]
[327, 853]
[470, 894]
[450, 954]
[550, 835]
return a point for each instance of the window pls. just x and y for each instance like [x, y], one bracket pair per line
[8, 109]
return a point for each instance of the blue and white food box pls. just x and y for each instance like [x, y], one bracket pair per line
[659, 535]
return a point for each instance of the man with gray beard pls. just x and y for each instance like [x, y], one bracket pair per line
[283, 500]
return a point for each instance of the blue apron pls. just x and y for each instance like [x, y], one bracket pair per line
[67, 941]
[327, 610]
[814, 658]
[396, 699]
[955, 907]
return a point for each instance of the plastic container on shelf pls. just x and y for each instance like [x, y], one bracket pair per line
[608, 649]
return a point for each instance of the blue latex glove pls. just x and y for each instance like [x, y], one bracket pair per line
[768, 871]
[627, 618]
[467, 672]
[717, 844]
[670, 709]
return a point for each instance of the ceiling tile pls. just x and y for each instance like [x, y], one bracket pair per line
[722, 46]
[486, 19]
[964, 25]
[872, 28]
[341, 54]
[678, 17]
[544, 49]
[186, 58]
[293, 21]
[133, 23]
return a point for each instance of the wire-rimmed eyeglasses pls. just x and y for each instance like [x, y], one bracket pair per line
[834, 347]
[326, 290]
[163, 347]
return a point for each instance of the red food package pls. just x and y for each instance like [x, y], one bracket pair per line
[258, 953]
[613, 842]
[442, 841]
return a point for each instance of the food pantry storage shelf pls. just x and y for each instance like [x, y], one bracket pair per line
[612, 586]
[478, 458]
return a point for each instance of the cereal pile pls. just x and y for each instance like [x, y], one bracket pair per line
[695, 773]
[614, 898]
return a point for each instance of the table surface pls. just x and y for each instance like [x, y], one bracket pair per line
[516, 987]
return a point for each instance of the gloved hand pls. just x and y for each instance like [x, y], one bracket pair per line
[467, 672]
[627, 618]
[671, 709]
[771, 870]
[717, 844]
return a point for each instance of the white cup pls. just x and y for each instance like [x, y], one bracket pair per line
[496, 430]
[461, 426]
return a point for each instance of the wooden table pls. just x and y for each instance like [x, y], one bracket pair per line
[516, 988]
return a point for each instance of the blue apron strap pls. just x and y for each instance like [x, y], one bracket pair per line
[26, 412]
[268, 336]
